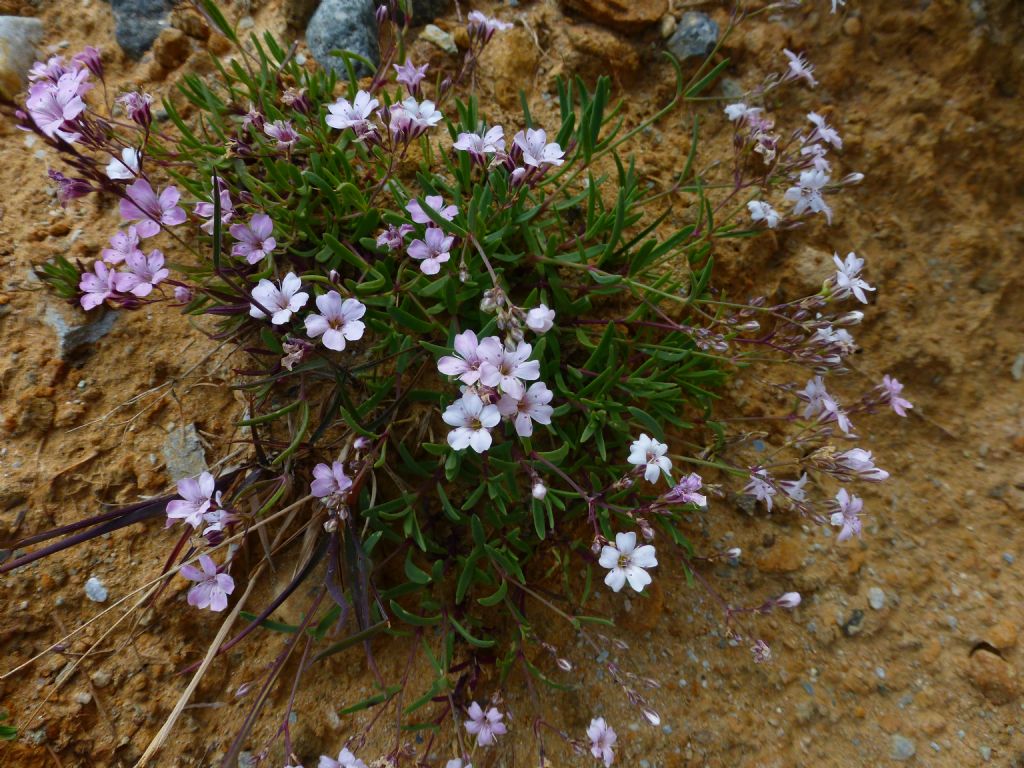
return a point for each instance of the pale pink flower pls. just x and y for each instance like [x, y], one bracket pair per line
[127, 167]
[197, 495]
[483, 27]
[122, 245]
[627, 562]
[432, 251]
[891, 389]
[799, 68]
[602, 740]
[53, 106]
[339, 320]
[212, 588]
[469, 356]
[436, 202]
[90, 58]
[393, 237]
[205, 210]
[473, 422]
[144, 273]
[533, 406]
[355, 115]
[806, 195]
[861, 464]
[410, 75]
[282, 132]
[685, 491]
[540, 319]
[486, 726]
[762, 211]
[510, 369]
[824, 131]
[97, 286]
[814, 394]
[847, 515]
[761, 487]
[740, 112]
[255, 239]
[142, 204]
[648, 453]
[788, 600]
[795, 488]
[490, 142]
[537, 152]
[832, 411]
[412, 118]
[137, 107]
[847, 279]
[280, 301]
[329, 480]
[818, 155]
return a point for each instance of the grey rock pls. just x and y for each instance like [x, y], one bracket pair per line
[347, 25]
[138, 22]
[902, 747]
[696, 35]
[876, 598]
[101, 678]
[443, 40]
[72, 333]
[18, 39]
[1017, 369]
[95, 590]
[986, 753]
[183, 453]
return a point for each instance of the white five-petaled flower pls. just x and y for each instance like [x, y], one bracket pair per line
[602, 739]
[847, 278]
[814, 394]
[806, 195]
[532, 406]
[540, 319]
[824, 131]
[761, 487]
[741, 112]
[196, 499]
[627, 562]
[473, 422]
[211, 589]
[537, 152]
[847, 515]
[339, 320]
[485, 725]
[281, 301]
[648, 453]
[795, 488]
[818, 155]
[355, 114]
[470, 354]
[762, 211]
[414, 116]
[510, 369]
[345, 760]
[799, 69]
[125, 168]
[491, 142]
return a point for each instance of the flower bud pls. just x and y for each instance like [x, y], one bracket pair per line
[788, 600]
[733, 554]
[539, 490]
[90, 59]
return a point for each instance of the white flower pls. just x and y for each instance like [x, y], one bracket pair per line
[469, 356]
[339, 321]
[282, 302]
[788, 600]
[457, 763]
[627, 562]
[127, 167]
[861, 463]
[472, 421]
[422, 114]
[345, 760]
[353, 115]
[799, 69]
[824, 131]
[761, 211]
[649, 453]
[485, 725]
[847, 515]
[602, 739]
[508, 368]
[818, 157]
[741, 112]
[814, 394]
[536, 149]
[540, 319]
[795, 488]
[848, 280]
[491, 142]
[760, 487]
[533, 406]
[807, 194]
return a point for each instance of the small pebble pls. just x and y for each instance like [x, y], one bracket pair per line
[1008, 558]
[83, 697]
[1017, 369]
[986, 753]
[902, 747]
[880, 673]
[95, 590]
[876, 598]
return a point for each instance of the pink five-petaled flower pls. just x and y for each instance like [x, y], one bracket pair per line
[282, 132]
[144, 273]
[330, 480]
[354, 115]
[205, 210]
[891, 389]
[211, 589]
[339, 320]
[196, 499]
[142, 204]
[473, 422]
[122, 245]
[485, 725]
[861, 464]
[847, 515]
[436, 202]
[125, 168]
[53, 105]
[824, 131]
[490, 142]
[393, 237]
[648, 453]
[97, 286]
[509, 369]
[410, 75]
[536, 149]
[602, 739]
[762, 211]
[255, 239]
[806, 195]
[281, 302]
[627, 562]
[540, 319]
[469, 355]
[411, 118]
[685, 491]
[532, 406]
[799, 68]
[432, 251]
[761, 487]
[345, 760]
[847, 278]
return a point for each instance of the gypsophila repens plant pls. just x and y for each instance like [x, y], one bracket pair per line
[480, 366]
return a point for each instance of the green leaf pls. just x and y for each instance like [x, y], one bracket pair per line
[476, 641]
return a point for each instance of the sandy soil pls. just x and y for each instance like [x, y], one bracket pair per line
[928, 99]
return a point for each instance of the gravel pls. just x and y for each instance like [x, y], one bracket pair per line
[876, 598]
[95, 591]
[902, 747]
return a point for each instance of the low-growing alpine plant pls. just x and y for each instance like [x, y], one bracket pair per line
[481, 367]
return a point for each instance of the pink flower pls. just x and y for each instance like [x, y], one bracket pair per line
[469, 356]
[482, 27]
[355, 115]
[602, 739]
[533, 406]
[255, 239]
[136, 104]
[143, 205]
[825, 132]
[761, 487]
[144, 273]
[491, 142]
[847, 279]
[814, 394]
[127, 167]
[412, 118]
[212, 588]
[53, 106]
[799, 69]
[196, 498]
[90, 58]
[122, 245]
[393, 237]
[97, 286]
[806, 195]
[486, 726]
[410, 76]
[436, 202]
[205, 210]
[473, 422]
[627, 562]
[281, 302]
[432, 251]
[509, 369]
[861, 464]
[847, 515]
[685, 491]
[795, 488]
[282, 132]
[339, 320]
[891, 389]
[536, 150]
[540, 319]
[329, 480]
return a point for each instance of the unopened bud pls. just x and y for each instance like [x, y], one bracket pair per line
[733, 554]
[788, 600]
[539, 490]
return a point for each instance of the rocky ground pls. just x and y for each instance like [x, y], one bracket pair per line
[906, 647]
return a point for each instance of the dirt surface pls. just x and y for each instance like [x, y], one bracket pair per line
[928, 98]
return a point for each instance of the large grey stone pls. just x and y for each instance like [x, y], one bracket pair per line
[18, 39]
[138, 22]
[347, 25]
[74, 330]
[696, 35]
